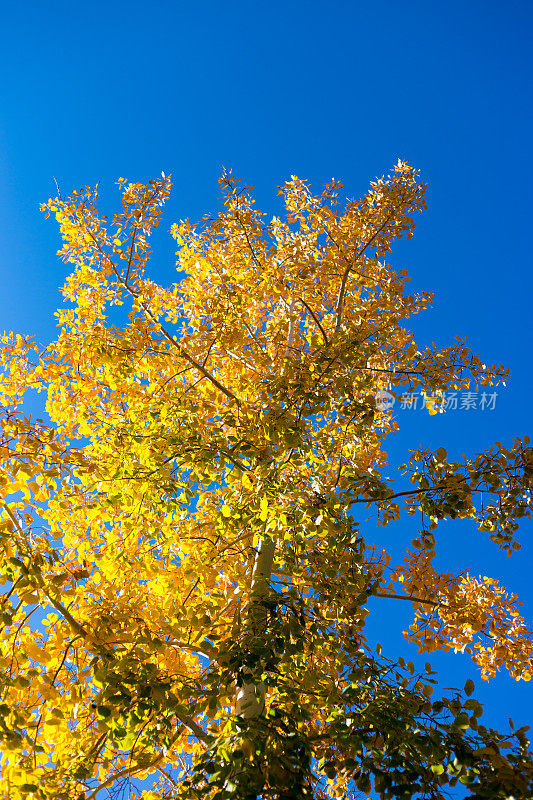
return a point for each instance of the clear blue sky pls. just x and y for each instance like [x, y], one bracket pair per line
[94, 91]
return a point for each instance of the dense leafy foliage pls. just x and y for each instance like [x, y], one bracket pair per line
[186, 576]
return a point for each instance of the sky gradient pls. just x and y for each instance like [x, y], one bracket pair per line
[93, 92]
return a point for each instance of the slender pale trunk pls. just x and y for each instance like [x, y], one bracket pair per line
[290, 337]
[250, 701]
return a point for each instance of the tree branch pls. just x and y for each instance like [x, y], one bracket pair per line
[409, 597]
[76, 627]
[350, 268]
[183, 353]
[131, 770]
[317, 321]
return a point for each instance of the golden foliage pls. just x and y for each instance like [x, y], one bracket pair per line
[235, 407]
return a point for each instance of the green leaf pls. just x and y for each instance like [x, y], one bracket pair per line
[363, 783]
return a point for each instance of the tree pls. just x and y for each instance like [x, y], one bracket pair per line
[186, 533]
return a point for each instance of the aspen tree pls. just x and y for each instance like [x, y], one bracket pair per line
[186, 573]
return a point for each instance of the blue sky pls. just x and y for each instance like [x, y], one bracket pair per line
[92, 92]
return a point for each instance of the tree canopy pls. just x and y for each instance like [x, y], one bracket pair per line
[186, 569]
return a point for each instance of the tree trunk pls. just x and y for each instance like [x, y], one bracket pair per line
[250, 700]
